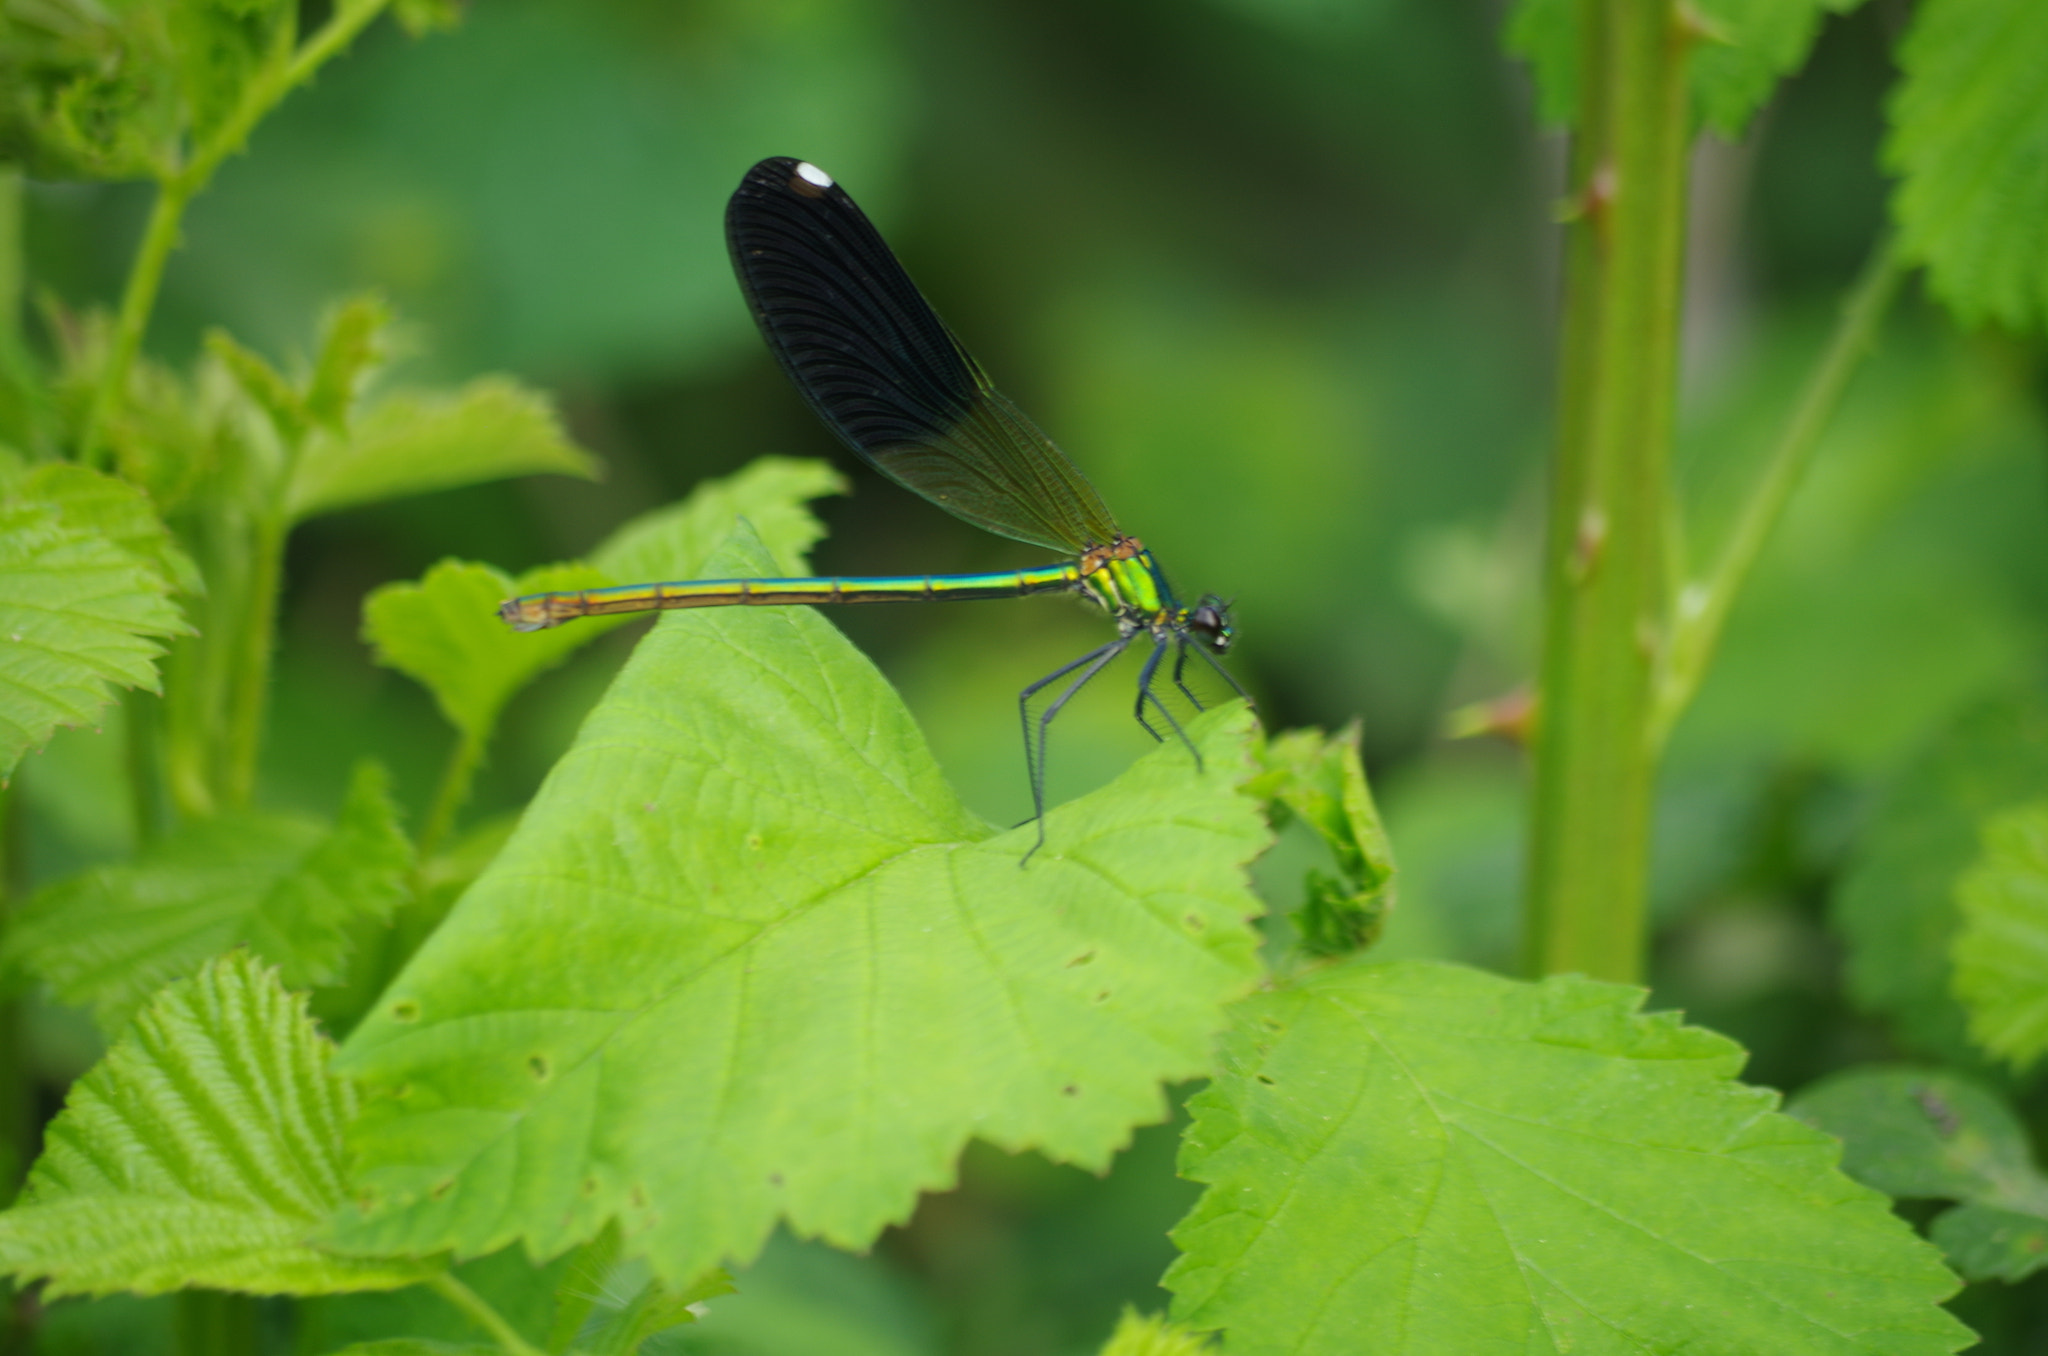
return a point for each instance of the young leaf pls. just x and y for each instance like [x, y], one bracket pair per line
[1142, 1335]
[268, 389]
[410, 444]
[1925, 1134]
[654, 1308]
[90, 94]
[769, 492]
[354, 345]
[748, 958]
[421, 17]
[220, 48]
[1895, 905]
[1741, 50]
[1969, 142]
[1419, 1158]
[1321, 779]
[444, 632]
[204, 1150]
[78, 610]
[2001, 951]
[290, 888]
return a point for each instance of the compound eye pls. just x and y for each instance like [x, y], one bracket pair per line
[1207, 621]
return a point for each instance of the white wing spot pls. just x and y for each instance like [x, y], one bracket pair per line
[813, 174]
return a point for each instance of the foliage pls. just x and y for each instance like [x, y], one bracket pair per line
[1438, 1196]
[1923, 1134]
[696, 958]
[205, 1149]
[2001, 951]
[1968, 135]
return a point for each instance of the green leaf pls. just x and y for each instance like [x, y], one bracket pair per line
[204, 1150]
[1925, 1134]
[1740, 52]
[1969, 142]
[1320, 778]
[1895, 904]
[117, 510]
[291, 888]
[78, 610]
[1545, 33]
[91, 90]
[748, 958]
[422, 17]
[355, 345]
[1419, 1158]
[266, 387]
[2001, 950]
[444, 631]
[1985, 1243]
[1746, 47]
[1142, 1335]
[769, 492]
[653, 1309]
[222, 46]
[410, 444]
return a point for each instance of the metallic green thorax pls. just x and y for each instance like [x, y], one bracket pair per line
[1131, 589]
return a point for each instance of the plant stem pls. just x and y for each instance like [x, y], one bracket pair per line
[176, 189]
[1703, 608]
[487, 1318]
[159, 238]
[450, 795]
[254, 638]
[1605, 564]
[11, 267]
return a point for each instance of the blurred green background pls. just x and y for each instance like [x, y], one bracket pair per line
[1280, 276]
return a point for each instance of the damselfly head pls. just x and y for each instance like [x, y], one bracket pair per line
[1210, 623]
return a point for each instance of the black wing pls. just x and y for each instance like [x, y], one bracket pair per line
[883, 371]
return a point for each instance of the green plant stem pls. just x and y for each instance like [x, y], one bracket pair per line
[487, 1318]
[249, 672]
[142, 737]
[451, 794]
[1702, 609]
[176, 189]
[1605, 567]
[11, 268]
[212, 1322]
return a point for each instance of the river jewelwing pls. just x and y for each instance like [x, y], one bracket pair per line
[882, 371]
